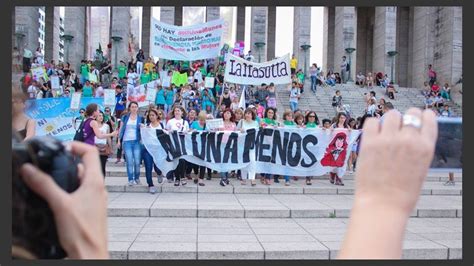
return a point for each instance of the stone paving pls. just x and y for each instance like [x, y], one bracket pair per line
[264, 222]
[260, 238]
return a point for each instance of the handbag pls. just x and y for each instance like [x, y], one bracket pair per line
[104, 149]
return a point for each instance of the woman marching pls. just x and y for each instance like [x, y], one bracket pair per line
[130, 140]
[178, 123]
[339, 152]
[199, 125]
[269, 120]
[104, 145]
[154, 119]
[229, 125]
[248, 122]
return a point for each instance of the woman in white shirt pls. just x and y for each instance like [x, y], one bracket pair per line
[178, 123]
[154, 119]
[372, 108]
[104, 145]
[249, 122]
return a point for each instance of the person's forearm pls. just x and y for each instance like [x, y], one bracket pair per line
[374, 231]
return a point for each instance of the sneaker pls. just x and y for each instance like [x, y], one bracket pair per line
[176, 183]
[137, 182]
[152, 190]
[131, 183]
[170, 180]
[160, 179]
[449, 183]
[275, 180]
[222, 183]
[287, 183]
[227, 181]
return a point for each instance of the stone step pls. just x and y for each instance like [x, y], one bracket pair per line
[322, 187]
[221, 205]
[157, 238]
[119, 170]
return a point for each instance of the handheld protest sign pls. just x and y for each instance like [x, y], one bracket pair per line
[214, 124]
[209, 83]
[55, 83]
[150, 94]
[76, 100]
[166, 82]
[109, 97]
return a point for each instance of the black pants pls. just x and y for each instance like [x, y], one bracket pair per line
[180, 170]
[190, 167]
[202, 171]
[103, 161]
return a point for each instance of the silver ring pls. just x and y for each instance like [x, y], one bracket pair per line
[411, 120]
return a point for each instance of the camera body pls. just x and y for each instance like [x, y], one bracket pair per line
[33, 222]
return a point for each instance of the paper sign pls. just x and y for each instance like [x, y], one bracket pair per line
[55, 83]
[209, 82]
[150, 94]
[166, 82]
[76, 100]
[109, 97]
[92, 78]
[39, 72]
[214, 124]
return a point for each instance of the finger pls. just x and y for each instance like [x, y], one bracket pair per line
[408, 129]
[90, 158]
[429, 127]
[80, 171]
[391, 123]
[371, 127]
[43, 185]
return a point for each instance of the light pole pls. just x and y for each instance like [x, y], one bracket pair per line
[116, 40]
[67, 38]
[305, 48]
[392, 55]
[259, 45]
[350, 50]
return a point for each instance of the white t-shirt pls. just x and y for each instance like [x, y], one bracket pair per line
[130, 129]
[32, 90]
[243, 124]
[99, 92]
[180, 125]
[294, 93]
[198, 76]
[157, 127]
[132, 76]
[104, 129]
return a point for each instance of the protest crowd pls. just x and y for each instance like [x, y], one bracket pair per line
[189, 93]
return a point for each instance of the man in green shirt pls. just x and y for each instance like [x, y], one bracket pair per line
[122, 70]
[145, 77]
[84, 71]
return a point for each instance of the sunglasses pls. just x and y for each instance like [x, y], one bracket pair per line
[107, 111]
[312, 116]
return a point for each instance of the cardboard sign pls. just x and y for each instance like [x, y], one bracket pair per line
[209, 82]
[166, 82]
[109, 97]
[76, 100]
[214, 124]
[150, 94]
[55, 83]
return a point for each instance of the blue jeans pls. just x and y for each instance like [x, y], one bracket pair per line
[224, 176]
[133, 152]
[331, 82]
[293, 106]
[149, 166]
[314, 83]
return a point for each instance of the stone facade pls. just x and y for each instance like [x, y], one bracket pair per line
[27, 24]
[271, 32]
[385, 32]
[302, 36]
[76, 26]
[240, 32]
[213, 13]
[258, 33]
[345, 36]
[146, 24]
[120, 28]
[51, 44]
[328, 38]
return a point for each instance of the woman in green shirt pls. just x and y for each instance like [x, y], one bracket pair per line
[269, 120]
[312, 120]
[87, 90]
[289, 123]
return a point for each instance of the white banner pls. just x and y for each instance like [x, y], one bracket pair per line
[195, 42]
[282, 151]
[241, 71]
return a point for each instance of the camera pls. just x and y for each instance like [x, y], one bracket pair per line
[33, 224]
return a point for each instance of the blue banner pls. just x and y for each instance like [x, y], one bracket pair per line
[54, 116]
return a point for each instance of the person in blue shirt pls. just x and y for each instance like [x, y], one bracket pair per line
[160, 98]
[120, 101]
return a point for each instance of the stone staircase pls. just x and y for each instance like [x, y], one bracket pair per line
[264, 222]
[353, 95]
